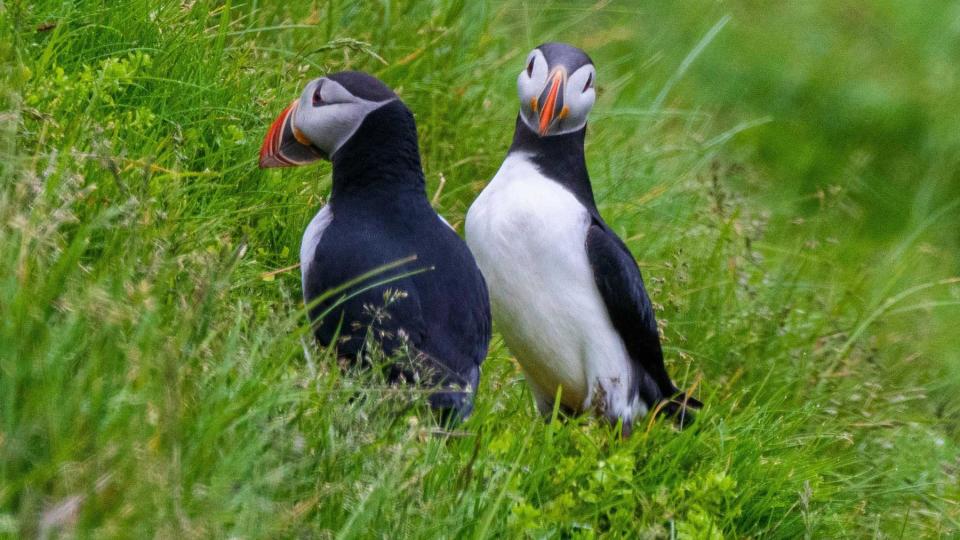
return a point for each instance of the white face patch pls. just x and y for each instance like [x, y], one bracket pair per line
[579, 94]
[328, 114]
[530, 83]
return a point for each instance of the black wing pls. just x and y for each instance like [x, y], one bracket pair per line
[394, 318]
[456, 310]
[443, 314]
[621, 285]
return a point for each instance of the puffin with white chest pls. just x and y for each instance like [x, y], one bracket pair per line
[567, 293]
[432, 310]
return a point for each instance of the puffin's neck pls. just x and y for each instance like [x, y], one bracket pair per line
[558, 157]
[381, 158]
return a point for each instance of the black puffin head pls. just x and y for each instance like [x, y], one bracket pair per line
[328, 113]
[556, 89]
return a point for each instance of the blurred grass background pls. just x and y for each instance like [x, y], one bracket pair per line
[788, 180]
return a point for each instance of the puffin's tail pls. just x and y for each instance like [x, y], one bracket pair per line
[451, 407]
[452, 402]
[680, 407]
[665, 399]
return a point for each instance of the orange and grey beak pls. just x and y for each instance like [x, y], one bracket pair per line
[549, 105]
[285, 146]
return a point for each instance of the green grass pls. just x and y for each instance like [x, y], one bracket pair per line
[788, 181]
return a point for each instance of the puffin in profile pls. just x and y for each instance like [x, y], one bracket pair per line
[429, 311]
[567, 293]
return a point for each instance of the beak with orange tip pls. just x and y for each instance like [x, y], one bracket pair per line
[285, 145]
[549, 105]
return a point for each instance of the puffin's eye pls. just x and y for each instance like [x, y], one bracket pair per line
[589, 82]
[530, 66]
[317, 97]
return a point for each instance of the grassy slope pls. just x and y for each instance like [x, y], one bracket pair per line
[153, 381]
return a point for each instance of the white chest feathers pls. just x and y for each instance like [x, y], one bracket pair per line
[528, 234]
[311, 237]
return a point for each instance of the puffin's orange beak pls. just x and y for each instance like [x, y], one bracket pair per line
[284, 145]
[550, 102]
